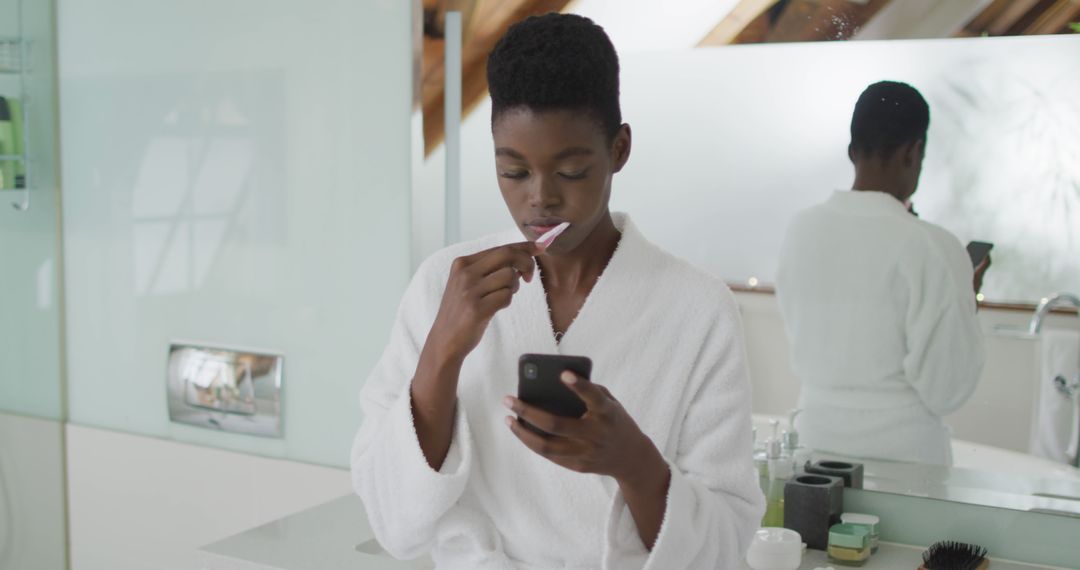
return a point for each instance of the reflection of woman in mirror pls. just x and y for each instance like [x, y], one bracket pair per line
[879, 305]
[658, 471]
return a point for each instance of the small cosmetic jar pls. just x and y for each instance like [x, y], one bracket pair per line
[775, 548]
[871, 523]
[849, 545]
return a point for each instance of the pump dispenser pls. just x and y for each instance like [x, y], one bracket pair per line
[780, 470]
[790, 447]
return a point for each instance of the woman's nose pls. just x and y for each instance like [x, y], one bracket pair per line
[544, 192]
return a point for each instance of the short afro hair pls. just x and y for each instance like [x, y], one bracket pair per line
[888, 116]
[556, 62]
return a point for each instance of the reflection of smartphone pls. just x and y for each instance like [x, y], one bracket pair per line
[978, 250]
[540, 386]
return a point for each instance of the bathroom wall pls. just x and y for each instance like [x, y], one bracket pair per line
[234, 173]
[32, 509]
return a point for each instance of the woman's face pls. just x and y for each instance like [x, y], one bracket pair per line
[554, 167]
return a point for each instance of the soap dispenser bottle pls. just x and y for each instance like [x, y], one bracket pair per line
[780, 470]
[790, 448]
[761, 456]
[761, 463]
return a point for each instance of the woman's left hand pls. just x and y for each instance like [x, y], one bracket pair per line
[605, 440]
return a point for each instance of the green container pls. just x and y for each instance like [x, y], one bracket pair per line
[849, 545]
[871, 523]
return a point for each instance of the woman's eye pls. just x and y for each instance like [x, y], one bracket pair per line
[578, 175]
[514, 174]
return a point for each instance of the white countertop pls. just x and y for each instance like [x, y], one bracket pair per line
[336, 536]
[326, 537]
[894, 557]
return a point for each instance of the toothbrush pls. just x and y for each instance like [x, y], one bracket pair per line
[549, 236]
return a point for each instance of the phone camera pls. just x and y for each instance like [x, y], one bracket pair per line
[531, 371]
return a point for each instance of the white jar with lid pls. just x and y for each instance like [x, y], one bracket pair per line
[775, 548]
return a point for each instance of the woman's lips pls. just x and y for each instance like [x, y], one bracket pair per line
[541, 226]
[541, 230]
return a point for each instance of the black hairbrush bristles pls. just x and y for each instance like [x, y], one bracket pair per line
[950, 555]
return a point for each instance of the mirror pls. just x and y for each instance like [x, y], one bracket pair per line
[731, 142]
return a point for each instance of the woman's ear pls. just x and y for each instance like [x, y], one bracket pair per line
[620, 147]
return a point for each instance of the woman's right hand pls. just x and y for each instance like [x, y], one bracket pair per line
[479, 286]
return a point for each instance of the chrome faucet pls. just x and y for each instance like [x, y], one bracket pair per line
[1063, 385]
[1055, 300]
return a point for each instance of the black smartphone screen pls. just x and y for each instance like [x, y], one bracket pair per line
[539, 384]
[978, 250]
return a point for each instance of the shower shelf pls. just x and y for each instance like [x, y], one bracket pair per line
[15, 63]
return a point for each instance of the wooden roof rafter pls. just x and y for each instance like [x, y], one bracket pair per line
[1023, 17]
[483, 23]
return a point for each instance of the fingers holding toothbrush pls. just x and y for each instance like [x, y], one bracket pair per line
[479, 285]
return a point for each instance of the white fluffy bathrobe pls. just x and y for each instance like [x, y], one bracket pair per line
[664, 338]
[880, 311]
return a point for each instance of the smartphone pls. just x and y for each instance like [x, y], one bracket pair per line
[539, 384]
[978, 250]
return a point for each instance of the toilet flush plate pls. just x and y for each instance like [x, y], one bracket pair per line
[225, 388]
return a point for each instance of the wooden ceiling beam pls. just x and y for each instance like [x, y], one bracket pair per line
[1028, 17]
[983, 19]
[1054, 19]
[1013, 13]
[488, 21]
[817, 20]
[742, 15]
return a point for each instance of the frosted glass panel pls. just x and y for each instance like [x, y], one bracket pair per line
[730, 142]
[32, 495]
[30, 382]
[235, 173]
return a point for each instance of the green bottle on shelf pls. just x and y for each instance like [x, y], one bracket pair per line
[8, 146]
[780, 470]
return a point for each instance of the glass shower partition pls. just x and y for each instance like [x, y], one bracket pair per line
[32, 483]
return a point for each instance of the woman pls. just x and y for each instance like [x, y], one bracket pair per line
[658, 472]
[879, 305]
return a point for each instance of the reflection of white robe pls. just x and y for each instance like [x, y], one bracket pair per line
[880, 312]
[664, 338]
